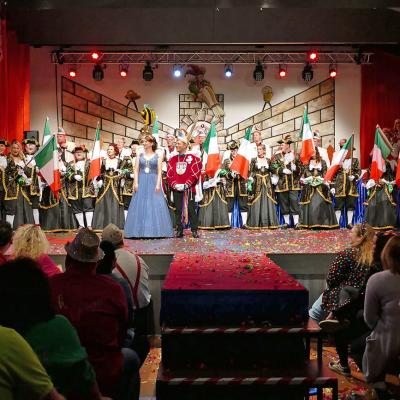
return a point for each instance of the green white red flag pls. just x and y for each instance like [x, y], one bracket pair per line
[155, 131]
[242, 160]
[338, 159]
[46, 132]
[306, 135]
[47, 161]
[380, 152]
[95, 162]
[211, 157]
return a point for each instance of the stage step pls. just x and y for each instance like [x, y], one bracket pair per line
[273, 383]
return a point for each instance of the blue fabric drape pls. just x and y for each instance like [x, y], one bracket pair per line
[236, 216]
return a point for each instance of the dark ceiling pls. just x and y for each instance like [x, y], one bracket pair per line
[213, 23]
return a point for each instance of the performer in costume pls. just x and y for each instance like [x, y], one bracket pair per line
[381, 206]
[81, 191]
[66, 147]
[236, 186]
[109, 208]
[148, 215]
[262, 203]
[213, 213]
[16, 186]
[123, 149]
[287, 166]
[182, 174]
[316, 209]
[256, 142]
[169, 151]
[322, 151]
[31, 147]
[344, 186]
[3, 164]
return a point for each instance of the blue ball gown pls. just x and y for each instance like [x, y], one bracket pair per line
[148, 215]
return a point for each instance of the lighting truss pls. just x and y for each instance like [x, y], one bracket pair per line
[183, 58]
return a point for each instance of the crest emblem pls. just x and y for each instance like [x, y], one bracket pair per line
[181, 167]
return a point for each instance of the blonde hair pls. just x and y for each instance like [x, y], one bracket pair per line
[30, 241]
[365, 249]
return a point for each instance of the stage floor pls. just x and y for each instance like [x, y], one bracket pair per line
[288, 241]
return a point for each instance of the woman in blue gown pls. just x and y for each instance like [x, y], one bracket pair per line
[148, 215]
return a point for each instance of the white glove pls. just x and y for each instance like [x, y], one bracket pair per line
[287, 171]
[293, 166]
[78, 177]
[99, 184]
[233, 174]
[206, 185]
[274, 179]
[371, 183]
[309, 179]
[319, 168]
[384, 181]
[351, 178]
[131, 176]
[28, 181]
[122, 182]
[333, 191]
[250, 178]
[180, 187]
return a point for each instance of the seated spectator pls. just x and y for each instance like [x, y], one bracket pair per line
[30, 241]
[382, 315]
[25, 305]
[6, 234]
[97, 308]
[21, 374]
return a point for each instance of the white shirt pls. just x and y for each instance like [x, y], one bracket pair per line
[111, 163]
[3, 162]
[315, 165]
[262, 162]
[80, 165]
[253, 149]
[125, 152]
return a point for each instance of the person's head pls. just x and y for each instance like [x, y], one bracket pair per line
[121, 142]
[16, 148]
[379, 242]
[316, 139]
[114, 235]
[362, 239]
[342, 142]
[25, 296]
[134, 145]
[3, 146]
[202, 137]
[181, 144]
[30, 241]
[170, 140]
[6, 235]
[31, 146]
[257, 137]
[149, 143]
[285, 147]
[112, 150]
[61, 136]
[390, 256]
[316, 156]
[107, 263]
[261, 151]
[79, 153]
[84, 251]
[396, 126]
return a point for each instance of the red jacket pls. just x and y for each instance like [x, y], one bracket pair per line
[184, 169]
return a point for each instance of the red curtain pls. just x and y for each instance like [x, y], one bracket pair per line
[14, 85]
[380, 99]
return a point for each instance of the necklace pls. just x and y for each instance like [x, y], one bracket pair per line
[147, 164]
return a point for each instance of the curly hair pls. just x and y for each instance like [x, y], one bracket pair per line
[30, 241]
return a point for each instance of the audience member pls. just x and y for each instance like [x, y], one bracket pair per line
[21, 374]
[25, 305]
[6, 234]
[382, 315]
[97, 307]
[30, 241]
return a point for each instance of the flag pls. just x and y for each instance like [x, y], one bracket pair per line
[241, 162]
[338, 159]
[307, 148]
[47, 161]
[155, 131]
[211, 158]
[95, 162]
[46, 132]
[380, 152]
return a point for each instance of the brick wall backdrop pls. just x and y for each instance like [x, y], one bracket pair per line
[82, 108]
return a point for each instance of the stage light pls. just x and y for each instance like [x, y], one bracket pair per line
[148, 72]
[72, 72]
[98, 73]
[123, 71]
[312, 56]
[228, 71]
[177, 71]
[258, 73]
[308, 73]
[332, 71]
[282, 71]
[95, 55]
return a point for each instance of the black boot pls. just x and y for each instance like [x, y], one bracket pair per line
[195, 234]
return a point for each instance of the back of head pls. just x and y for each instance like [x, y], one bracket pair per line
[30, 241]
[114, 235]
[25, 296]
[391, 255]
[106, 264]
[6, 233]
[366, 245]
[380, 240]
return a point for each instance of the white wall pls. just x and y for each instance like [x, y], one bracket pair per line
[243, 96]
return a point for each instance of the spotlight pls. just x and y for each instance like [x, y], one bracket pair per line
[72, 72]
[148, 72]
[258, 73]
[177, 71]
[312, 56]
[332, 71]
[307, 73]
[95, 55]
[123, 71]
[282, 71]
[98, 73]
[228, 71]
